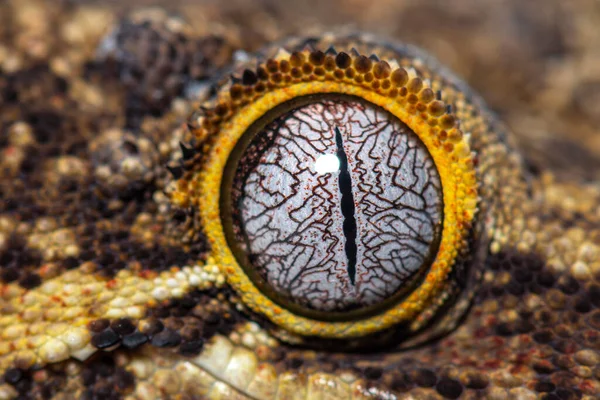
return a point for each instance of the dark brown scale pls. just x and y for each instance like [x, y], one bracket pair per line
[297, 59]
[307, 68]
[477, 381]
[185, 323]
[568, 285]
[107, 245]
[593, 320]
[544, 386]
[33, 86]
[70, 263]
[583, 305]
[166, 338]
[449, 388]
[42, 383]
[99, 325]
[30, 281]
[55, 133]
[294, 363]
[123, 326]
[18, 263]
[373, 373]
[546, 279]
[317, 57]
[424, 378]
[544, 367]
[249, 77]
[105, 339]
[523, 275]
[134, 340]
[155, 63]
[110, 248]
[272, 65]
[343, 60]
[191, 348]
[103, 379]
[399, 77]
[415, 85]
[153, 327]
[543, 336]
[13, 375]
[426, 95]
[381, 70]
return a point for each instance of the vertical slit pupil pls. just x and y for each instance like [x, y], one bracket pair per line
[349, 225]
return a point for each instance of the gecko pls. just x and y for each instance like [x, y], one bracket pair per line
[143, 166]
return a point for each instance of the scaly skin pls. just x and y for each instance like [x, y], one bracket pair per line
[109, 289]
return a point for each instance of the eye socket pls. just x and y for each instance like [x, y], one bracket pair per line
[332, 206]
[256, 126]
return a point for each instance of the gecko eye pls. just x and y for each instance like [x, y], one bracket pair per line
[337, 192]
[335, 206]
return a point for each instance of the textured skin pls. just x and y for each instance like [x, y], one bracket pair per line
[95, 263]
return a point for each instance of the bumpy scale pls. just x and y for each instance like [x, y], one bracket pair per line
[111, 289]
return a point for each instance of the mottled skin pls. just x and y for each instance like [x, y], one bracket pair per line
[93, 256]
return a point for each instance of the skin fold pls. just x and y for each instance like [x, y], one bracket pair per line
[109, 285]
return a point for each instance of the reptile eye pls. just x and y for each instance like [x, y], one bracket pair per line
[337, 192]
[335, 206]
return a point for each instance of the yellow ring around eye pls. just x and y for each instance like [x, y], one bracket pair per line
[410, 99]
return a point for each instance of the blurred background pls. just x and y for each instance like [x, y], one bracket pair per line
[536, 62]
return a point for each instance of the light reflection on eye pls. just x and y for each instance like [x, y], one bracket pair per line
[327, 163]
